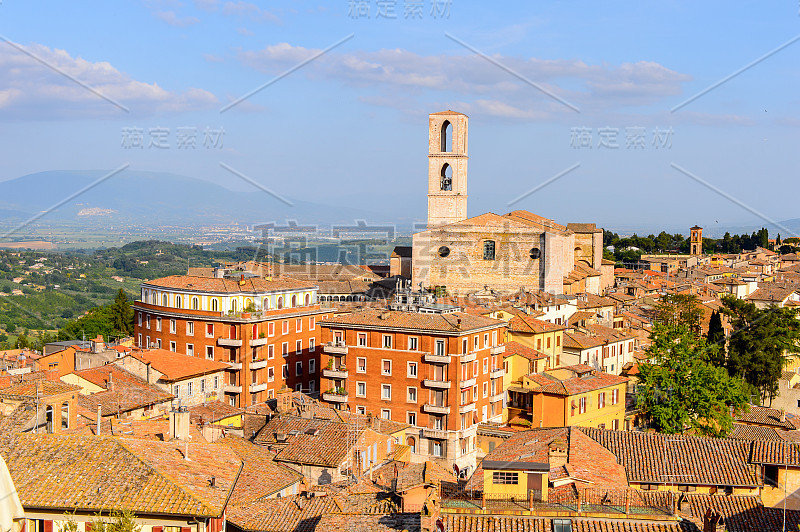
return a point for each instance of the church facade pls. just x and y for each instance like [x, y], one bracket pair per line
[506, 253]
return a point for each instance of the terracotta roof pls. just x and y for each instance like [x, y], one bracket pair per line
[663, 458]
[743, 513]
[45, 388]
[252, 285]
[391, 319]
[762, 415]
[469, 523]
[90, 473]
[754, 432]
[402, 476]
[516, 348]
[776, 452]
[597, 335]
[523, 323]
[213, 411]
[128, 392]
[176, 366]
[285, 514]
[578, 384]
[261, 476]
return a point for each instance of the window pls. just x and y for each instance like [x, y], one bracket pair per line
[362, 339]
[385, 414]
[485, 340]
[464, 346]
[387, 341]
[271, 329]
[280, 302]
[386, 367]
[147, 321]
[195, 304]
[582, 407]
[361, 410]
[485, 366]
[215, 305]
[601, 400]
[505, 477]
[475, 368]
[285, 349]
[361, 389]
[615, 424]
[412, 394]
[173, 326]
[475, 393]
[270, 374]
[164, 300]
[173, 347]
[475, 343]
[361, 365]
[485, 390]
[178, 302]
[285, 326]
[216, 383]
[413, 343]
[312, 366]
[614, 396]
[158, 324]
[548, 342]
[312, 324]
[176, 390]
[139, 318]
[190, 328]
[439, 348]
[298, 325]
[285, 371]
[299, 348]
[158, 343]
[139, 340]
[411, 419]
[436, 448]
[312, 386]
[189, 388]
[562, 525]
[190, 349]
[298, 368]
[412, 370]
[488, 250]
[311, 345]
[148, 342]
[270, 352]
[209, 330]
[386, 391]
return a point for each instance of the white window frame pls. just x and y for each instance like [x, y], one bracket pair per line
[409, 391]
[384, 389]
[412, 370]
[358, 364]
[383, 363]
[189, 328]
[361, 384]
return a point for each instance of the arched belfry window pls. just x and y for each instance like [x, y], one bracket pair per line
[447, 136]
[447, 177]
[488, 250]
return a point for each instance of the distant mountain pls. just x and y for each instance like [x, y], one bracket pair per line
[157, 198]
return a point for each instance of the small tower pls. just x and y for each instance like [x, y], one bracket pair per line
[696, 240]
[447, 168]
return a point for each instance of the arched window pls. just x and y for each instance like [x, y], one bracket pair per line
[195, 303]
[145, 295]
[265, 304]
[280, 302]
[164, 300]
[447, 136]
[233, 305]
[48, 416]
[294, 301]
[215, 305]
[446, 176]
[412, 442]
[247, 303]
[308, 299]
[154, 298]
[65, 415]
[488, 250]
[178, 302]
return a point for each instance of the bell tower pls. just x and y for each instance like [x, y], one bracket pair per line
[447, 168]
[696, 240]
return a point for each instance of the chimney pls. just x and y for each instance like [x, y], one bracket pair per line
[241, 280]
[783, 415]
[179, 423]
[98, 345]
[110, 382]
[219, 273]
[99, 417]
[148, 373]
[557, 452]
[713, 521]
[284, 399]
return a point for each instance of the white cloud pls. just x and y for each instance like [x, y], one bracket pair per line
[174, 20]
[248, 10]
[33, 90]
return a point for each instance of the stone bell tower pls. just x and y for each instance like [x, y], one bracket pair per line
[447, 168]
[696, 240]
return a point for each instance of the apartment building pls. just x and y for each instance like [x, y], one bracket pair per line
[440, 373]
[264, 328]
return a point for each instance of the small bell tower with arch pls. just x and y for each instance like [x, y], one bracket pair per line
[696, 240]
[447, 168]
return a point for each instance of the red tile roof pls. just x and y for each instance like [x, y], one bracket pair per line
[457, 322]
[252, 285]
[176, 366]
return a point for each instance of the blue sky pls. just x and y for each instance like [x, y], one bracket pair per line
[351, 126]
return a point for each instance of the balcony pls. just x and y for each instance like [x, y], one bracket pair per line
[500, 349]
[496, 398]
[254, 388]
[469, 383]
[235, 366]
[230, 388]
[497, 373]
[435, 434]
[436, 359]
[258, 364]
[335, 348]
[257, 342]
[441, 385]
[463, 409]
[229, 342]
[334, 397]
[335, 373]
[469, 357]
[433, 409]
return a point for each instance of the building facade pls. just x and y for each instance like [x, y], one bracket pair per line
[266, 329]
[440, 373]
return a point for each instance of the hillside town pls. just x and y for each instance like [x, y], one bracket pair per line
[499, 374]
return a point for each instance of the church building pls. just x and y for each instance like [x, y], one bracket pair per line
[505, 253]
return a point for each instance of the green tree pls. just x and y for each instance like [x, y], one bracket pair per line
[716, 336]
[22, 342]
[758, 342]
[680, 310]
[121, 314]
[681, 390]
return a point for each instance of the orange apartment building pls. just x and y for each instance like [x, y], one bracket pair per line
[440, 373]
[265, 328]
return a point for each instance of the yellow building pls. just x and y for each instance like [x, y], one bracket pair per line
[542, 336]
[520, 360]
[569, 396]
